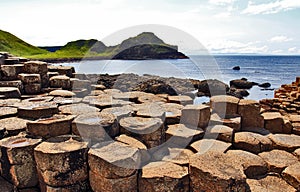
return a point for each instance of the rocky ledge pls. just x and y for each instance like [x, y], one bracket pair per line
[71, 132]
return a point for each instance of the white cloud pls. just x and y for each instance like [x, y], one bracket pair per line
[280, 39]
[272, 7]
[292, 49]
[223, 15]
[277, 51]
[221, 2]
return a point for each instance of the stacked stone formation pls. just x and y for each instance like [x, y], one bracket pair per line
[147, 142]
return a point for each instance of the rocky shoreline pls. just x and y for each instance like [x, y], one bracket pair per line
[62, 131]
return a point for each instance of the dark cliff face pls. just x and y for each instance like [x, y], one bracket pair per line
[149, 51]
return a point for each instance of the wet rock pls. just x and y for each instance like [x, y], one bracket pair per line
[30, 78]
[249, 110]
[172, 113]
[50, 127]
[224, 105]
[164, 176]
[285, 142]
[233, 121]
[148, 130]
[113, 167]
[205, 145]
[10, 72]
[278, 160]
[17, 161]
[265, 85]
[181, 99]
[195, 116]
[253, 165]
[212, 87]
[292, 176]
[62, 93]
[62, 161]
[252, 142]
[220, 132]
[36, 110]
[60, 81]
[273, 122]
[13, 125]
[10, 92]
[183, 135]
[8, 112]
[241, 84]
[222, 175]
[77, 109]
[269, 183]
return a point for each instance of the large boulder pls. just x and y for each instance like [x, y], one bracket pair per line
[212, 87]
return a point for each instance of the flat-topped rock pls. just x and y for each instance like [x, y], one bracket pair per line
[233, 121]
[172, 154]
[222, 175]
[151, 109]
[10, 92]
[164, 176]
[181, 99]
[10, 72]
[195, 116]
[183, 135]
[13, 125]
[17, 160]
[51, 127]
[253, 165]
[77, 109]
[220, 132]
[32, 89]
[62, 93]
[128, 96]
[294, 118]
[172, 112]
[252, 142]
[37, 67]
[119, 112]
[62, 70]
[149, 98]
[98, 87]
[8, 112]
[278, 160]
[36, 110]
[297, 153]
[285, 142]
[62, 161]
[29, 78]
[258, 130]
[113, 160]
[14, 83]
[249, 110]
[148, 130]
[96, 126]
[224, 105]
[66, 101]
[104, 101]
[60, 81]
[206, 145]
[291, 175]
[273, 122]
[269, 183]
[9, 102]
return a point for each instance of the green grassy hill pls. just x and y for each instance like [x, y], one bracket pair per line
[16, 46]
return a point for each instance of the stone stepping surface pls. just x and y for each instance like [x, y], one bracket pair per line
[36, 110]
[285, 142]
[8, 112]
[10, 92]
[291, 175]
[12, 126]
[78, 109]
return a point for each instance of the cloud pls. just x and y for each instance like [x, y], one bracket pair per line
[272, 7]
[222, 15]
[277, 51]
[280, 39]
[292, 49]
[227, 46]
[221, 2]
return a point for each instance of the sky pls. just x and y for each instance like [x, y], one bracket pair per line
[221, 26]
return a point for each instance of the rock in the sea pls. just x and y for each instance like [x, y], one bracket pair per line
[265, 85]
[212, 87]
[217, 171]
[241, 84]
[237, 68]
[278, 160]
[291, 175]
[164, 176]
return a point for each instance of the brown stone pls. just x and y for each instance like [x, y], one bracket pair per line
[62, 70]
[98, 87]
[148, 130]
[36, 110]
[32, 89]
[285, 142]
[10, 72]
[95, 126]
[16, 83]
[77, 109]
[278, 160]
[77, 187]
[206, 145]
[37, 67]
[253, 165]
[172, 154]
[164, 176]
[10, 92]
[62, 93]
[105, 101]
[297, 153]
[150, 109]
[249, 110]
[217, 171]
[66, 101]
[195, 116]
[51, 127]
[8, 112]
[5, 186]
[220, 132]
[269, 183]
[17, 161]
[60, 81]
[291, 175]
[9, 102]
[273, 122]
[29, 78]
[172, 113]
[62, 161]
[224, 105]
[181, 99]
[258, 130]
[232, 121]
[252, 142]
[150, 98]
[13, 125]
[183, 135]
[119, 112]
